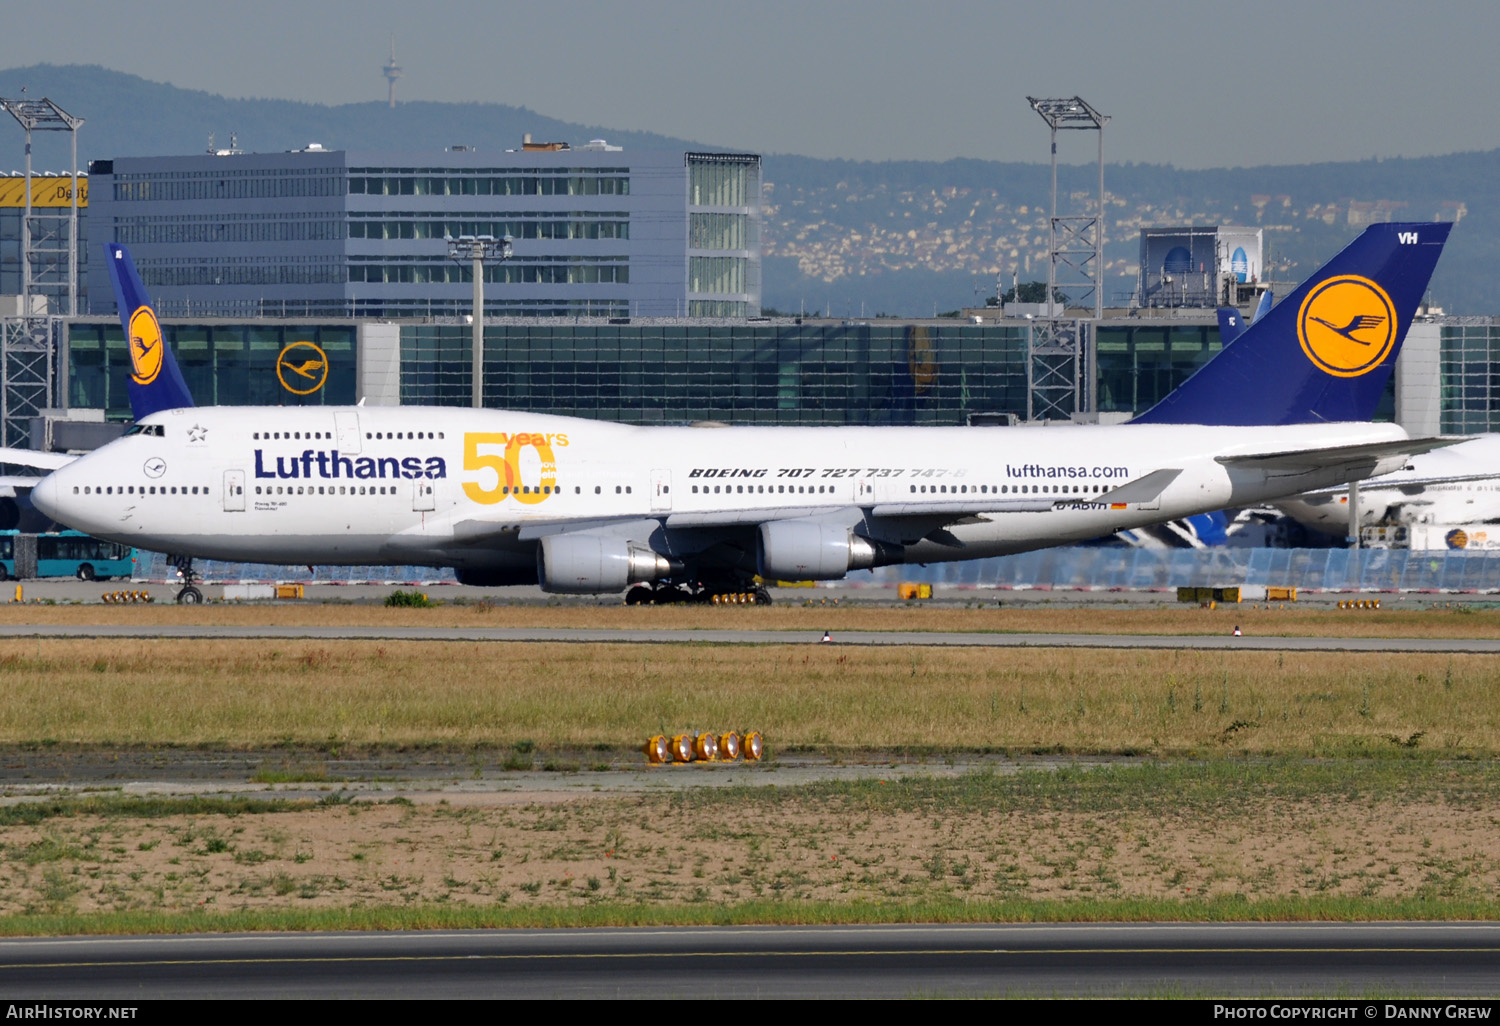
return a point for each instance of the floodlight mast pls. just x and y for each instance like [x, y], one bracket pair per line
[477, 249]
[45, 116]
[1074, 113]
[1060, 361]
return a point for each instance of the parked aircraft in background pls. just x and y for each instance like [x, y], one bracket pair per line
[681, 513]
[1453, 489]
[1232, 323]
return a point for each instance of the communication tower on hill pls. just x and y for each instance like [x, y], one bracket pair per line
[392, 71]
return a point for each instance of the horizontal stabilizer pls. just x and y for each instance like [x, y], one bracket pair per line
[1142, 489]
[35, 458]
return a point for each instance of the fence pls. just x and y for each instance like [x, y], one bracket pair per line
[1096, 569]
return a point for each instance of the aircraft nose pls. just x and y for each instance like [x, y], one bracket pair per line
[45, 496]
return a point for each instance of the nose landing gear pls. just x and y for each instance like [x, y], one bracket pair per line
[188, 594]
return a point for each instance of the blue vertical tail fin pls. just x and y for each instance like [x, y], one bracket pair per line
[155, 380]
[1325, 352]
[1231, 325]
[1267, 300]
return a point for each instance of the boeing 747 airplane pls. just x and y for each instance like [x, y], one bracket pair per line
[686, 513]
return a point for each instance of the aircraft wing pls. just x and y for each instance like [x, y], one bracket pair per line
[9, 484]
[1298, 461]
[35, 458]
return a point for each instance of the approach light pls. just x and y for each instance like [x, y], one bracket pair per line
[755, 746]
[682, 748]
[729, 746]
[658, 749]
[706, 747]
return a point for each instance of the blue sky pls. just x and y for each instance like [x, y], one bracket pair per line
[1204, 84]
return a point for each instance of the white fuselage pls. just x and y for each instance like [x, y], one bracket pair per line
[475, 488]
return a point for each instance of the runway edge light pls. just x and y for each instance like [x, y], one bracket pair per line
[729, 746]
[706, 747]
[754, 746]
[658, 749]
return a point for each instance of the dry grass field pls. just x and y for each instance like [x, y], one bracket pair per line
[1272, 841]
[254, 694]
[1408, 618]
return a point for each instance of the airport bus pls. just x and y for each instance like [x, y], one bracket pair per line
[69, 554]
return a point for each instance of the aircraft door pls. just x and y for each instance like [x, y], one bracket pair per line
[347, 423]
[864, 490]
[422, 498]
[234, 491]
[661, 491]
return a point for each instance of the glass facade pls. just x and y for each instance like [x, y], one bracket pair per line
[1470, 377]
[1138, 364]
[223, 365]
[723, 235]
[742, 374]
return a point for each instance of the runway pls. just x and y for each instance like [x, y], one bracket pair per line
[1212, 642]
[1409, 960]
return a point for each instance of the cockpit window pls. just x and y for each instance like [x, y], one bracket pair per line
[154, 430]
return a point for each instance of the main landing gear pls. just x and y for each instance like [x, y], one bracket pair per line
[722, 593]
[188, 594]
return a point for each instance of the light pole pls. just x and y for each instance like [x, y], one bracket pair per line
[478, 249]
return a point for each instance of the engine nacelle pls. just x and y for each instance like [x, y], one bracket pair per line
[587, 564]
[815, 550]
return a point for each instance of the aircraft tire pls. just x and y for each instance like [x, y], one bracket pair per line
[640, 595]
[189, 596]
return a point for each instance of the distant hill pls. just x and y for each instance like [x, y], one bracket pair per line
[128, 116]
[902, 237]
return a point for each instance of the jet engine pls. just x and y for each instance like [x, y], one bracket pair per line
[584, 563]
[816, 550]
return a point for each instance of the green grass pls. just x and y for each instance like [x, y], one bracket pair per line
[233, 694]
[109, 806]
[608, 913]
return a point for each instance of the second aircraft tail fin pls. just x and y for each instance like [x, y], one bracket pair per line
[155, 380]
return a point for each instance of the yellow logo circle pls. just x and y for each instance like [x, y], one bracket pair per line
[1347, 325]
[307, 365]
[145, 346]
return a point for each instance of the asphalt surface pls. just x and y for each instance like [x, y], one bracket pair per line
[724, 637]
[1406, 960]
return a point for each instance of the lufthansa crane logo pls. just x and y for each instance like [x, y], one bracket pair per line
[302, 368]
[1347, 325]
[145, 346]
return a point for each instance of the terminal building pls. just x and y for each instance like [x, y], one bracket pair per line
[598, 232]
[653, 371]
